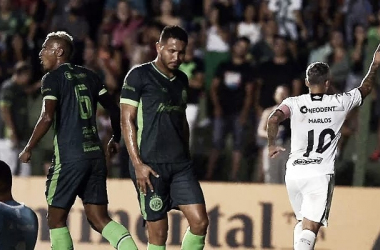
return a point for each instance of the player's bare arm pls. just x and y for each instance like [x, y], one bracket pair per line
[370, 79]
[143, 171]
[114, 111]
[42, 127]
[274, 120]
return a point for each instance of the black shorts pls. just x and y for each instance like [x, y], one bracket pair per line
[177, 185]
[86, 179]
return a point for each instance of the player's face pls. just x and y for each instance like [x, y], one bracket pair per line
[48, 55]
[172, 53]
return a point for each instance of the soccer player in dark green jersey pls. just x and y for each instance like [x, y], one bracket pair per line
[70, 97]
[156, 132]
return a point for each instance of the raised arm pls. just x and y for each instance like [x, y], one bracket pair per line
[369, 80]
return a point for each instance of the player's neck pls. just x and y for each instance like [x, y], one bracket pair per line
[6, 197]
[317, 90]
[167, 72]
[59, 63]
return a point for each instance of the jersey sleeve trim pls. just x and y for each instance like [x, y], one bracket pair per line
[50, 97]
[5, 104]
[103, 91]
[129, 102]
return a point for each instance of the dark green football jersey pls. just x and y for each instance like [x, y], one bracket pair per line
[76, 90]
[161, 104]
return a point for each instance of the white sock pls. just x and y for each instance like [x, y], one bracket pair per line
[306, 240]
[297, 233]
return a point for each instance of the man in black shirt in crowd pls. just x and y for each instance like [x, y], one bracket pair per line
[70, 97]
[232, 96]
[153, 103]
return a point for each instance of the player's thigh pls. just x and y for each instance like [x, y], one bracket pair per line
[64, 181]
[154, 205]
[93, 189]
[295, 196]
[317, 194]
[185, 188]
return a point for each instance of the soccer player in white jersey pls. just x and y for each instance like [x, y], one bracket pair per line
[316, 119]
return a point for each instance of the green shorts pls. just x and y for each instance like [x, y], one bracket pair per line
[177, 185]
[86, 179]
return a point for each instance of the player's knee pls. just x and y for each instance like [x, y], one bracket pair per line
[158, 235]
[199, 226]
[97, 221]
[55, 221]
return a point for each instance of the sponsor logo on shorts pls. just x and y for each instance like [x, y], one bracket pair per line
[156, 203]
[307, 161]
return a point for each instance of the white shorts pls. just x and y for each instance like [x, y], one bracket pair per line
[311, 197]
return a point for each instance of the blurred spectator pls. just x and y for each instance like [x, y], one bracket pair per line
[126, 26]
[338, 61]
[231, 94]
[262, 51]
[166, 16]
[194, 69]
[355, 12]
[13, 103]
[73, 21]
[288, 16]
[249, 27]
[373, 37]
[274, 169]
[280, 70]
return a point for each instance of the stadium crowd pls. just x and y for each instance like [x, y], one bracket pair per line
[243, 58]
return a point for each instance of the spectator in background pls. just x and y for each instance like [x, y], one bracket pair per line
[166, 16]
[339, 62]
[13, 103]
[249, 27]
[73, 21]
[262, 51]
[288, 16]
[231, 94]
[281, 70]
[274, 168]
[126, 26]
[12, 21]
[373, 37]
[194, 69]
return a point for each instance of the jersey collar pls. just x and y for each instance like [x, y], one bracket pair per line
[170, 79]
[316, 97]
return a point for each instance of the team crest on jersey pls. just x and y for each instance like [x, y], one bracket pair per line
[308, 161]
[68, 76]
[156, 203]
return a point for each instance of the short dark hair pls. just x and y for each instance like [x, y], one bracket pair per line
[243, 39]
[318, 73]
[174, 32]
[65, 40]
[5, 177]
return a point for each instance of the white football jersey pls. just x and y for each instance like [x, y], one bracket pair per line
[315, 122]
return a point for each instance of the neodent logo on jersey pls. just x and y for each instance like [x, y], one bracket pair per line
[305, 110]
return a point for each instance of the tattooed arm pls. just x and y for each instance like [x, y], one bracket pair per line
[272, 129]
[370, 79]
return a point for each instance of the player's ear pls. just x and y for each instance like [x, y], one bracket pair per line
[307, 83]
[158, 47]
[327, 84]
[59, 52]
